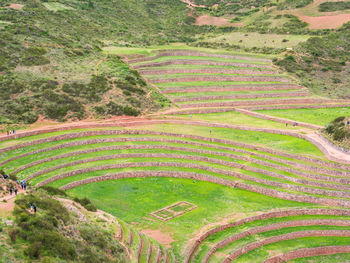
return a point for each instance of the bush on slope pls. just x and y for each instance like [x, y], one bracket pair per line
[321, 63]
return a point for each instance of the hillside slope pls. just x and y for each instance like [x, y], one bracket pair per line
[322, 63]
[51, 63]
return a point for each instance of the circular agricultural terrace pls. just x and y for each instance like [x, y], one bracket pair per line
[222, 176]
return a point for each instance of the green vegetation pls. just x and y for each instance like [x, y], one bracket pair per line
[339, 131]
[289, 4]
[315, 116]
[321, 63]
[134, 199]
[45, 235]
[333, 6]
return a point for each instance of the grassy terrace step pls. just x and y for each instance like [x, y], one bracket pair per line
[244, 96]
[96, 154]
[147, 145]
[257, 166]
[133, 199]
[279, 101]
[311, 252]
[203, 67]
[220, 78]
[202, 75]
[236, 92]
[229, 234]
[41, 145]
[94, 144]
[188, 61]
[243, 100]
[205, 84]
[171, 53]
[221, 232]
[248, 175]
[315, 116]
[289, 236]
[199, 175]
[227, 243]
[182, 71]
[202, 58]
[245, 88]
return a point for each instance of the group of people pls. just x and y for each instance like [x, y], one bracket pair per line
[9, 132]
[23, 185]
[13, 190]
[294, 124]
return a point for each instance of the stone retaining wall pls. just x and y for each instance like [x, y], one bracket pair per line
[206, 71]
[308, 252]
[207, 178]
[199, 62]
[259, 102]
[277, 226]
[282, 120]
[265, 216]
[213, 161]
[134, 139]
[194, 53]
[231, 88]
[289, 236]
[307, 106]
[158, 255]
[215, 140]
[234, 175]
[220, 78]
[149, 252]
[241, 96]
[140, 247]
[256, 108]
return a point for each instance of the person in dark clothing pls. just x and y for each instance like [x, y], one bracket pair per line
[34, 207]
[11, 190]
[22, 185]
[25, 185]
[16, 190]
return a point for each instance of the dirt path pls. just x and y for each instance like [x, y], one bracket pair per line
[192, 5]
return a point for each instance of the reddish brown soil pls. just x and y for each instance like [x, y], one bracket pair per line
[15, 6]
[163, 238]
[214, 21]
[325, 22]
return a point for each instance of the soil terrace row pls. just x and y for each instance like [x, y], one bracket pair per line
[203, 177]
[237, 78]
[264, 216]
[248, 87]
[207, 71]
[194, 53]
[254, 108]
[308, 252]
[241, 96]
[271, 227]
[292, 101]
[199, 62]
[142, 132]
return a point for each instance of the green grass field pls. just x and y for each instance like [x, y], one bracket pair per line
[133, 200]
[253, 39]
[315, 116]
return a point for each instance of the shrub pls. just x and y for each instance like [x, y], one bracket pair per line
[12, 234]
[85, 202]
[53, 190]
